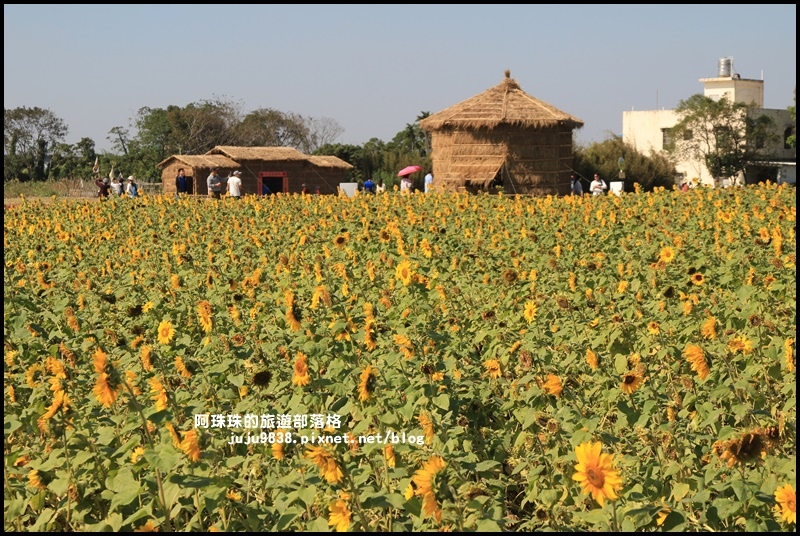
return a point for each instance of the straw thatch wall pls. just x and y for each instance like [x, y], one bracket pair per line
[197, 169]
[316, 172]
[502, 137]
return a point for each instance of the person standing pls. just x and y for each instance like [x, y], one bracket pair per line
[405, 184]
[575, 185]
[132, 189]
[214, 183]
[116, 187]
[369, 186]
[102, 187]
[429, 182]
[380, 188]
[598, 186]
[235, 185]
[181, 185]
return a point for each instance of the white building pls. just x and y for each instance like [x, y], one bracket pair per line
[650, 130]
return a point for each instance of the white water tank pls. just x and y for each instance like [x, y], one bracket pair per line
[725, 67]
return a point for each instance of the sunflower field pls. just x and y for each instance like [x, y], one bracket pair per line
[402, 362]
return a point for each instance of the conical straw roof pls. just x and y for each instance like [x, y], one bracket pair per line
[504, 104]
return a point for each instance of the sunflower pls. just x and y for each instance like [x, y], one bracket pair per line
[425, 482]
[328, 467]
[787, 354]
[667, 254]
[404, 273]
[137, 453]
[530, 311]
[180, 366]
[653, 328]
[509, 275]
[367, 384]
[740, 344]
[35, 480]
[277, 451]
[492, 367]
[301, 376]
[159, 393]
[105, 389]
[748, 447]
[725, 217]
[427, 427]
[339, 515]
[596, 473]
[340, 241]
[786, 508]
[553, 385]
[409, 491]
[591, 359]
[698, 279]
[165, 332]
[709, 328]
[190, 445]
[631, 381]
[694, 355]
[204, 315]
[388, 452]
[262, 378]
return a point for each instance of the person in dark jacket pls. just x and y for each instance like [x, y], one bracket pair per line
[103, 187]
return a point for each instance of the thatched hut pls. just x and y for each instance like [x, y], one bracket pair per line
[280, 169]
[196, 167]
[284, 169]
[502, 137]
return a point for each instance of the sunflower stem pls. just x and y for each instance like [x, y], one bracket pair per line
[614, 522]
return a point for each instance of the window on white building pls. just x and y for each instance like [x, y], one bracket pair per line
[667, 141]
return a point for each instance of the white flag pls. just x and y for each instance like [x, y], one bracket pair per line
[96, 168]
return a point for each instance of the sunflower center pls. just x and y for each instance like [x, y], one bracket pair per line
[596, 477]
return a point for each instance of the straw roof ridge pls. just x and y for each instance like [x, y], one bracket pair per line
[259, 153]
[200, 161]
[329, 161]
[503, 104]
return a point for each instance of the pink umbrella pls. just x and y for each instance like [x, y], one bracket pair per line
[408, 170]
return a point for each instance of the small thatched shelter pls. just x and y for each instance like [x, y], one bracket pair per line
[196, 168]
[280, 169]
[502, 137]
[285, 169]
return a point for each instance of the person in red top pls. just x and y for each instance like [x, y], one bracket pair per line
[102, 187]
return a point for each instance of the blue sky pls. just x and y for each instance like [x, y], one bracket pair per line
[374, 69]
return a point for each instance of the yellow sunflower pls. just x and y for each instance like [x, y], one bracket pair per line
[709, 328]
[740, 344]
[300, 377]
[653, 328]
[427, 427]
[596, 473]
[553, 385]
[190, 445]
[694, 355]
[165, 332]
[326, 463]
[339, 515]
[426, 486]
[159, 393]
[591, 359]
[388, 452]
[786, 508]
[530, 311]
[698, 279]
[204, 315]
[367, 384]
[492, 367]
[404, 273]
[631, 381]
[667, 254]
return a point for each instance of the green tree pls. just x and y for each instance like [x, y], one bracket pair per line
[649, 171]
[29, 137]
[724, 135]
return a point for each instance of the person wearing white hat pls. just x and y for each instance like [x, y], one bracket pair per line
[131, 188]
[235, 185]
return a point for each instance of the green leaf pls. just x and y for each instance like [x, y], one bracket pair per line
[488, 525]
[679, 491]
